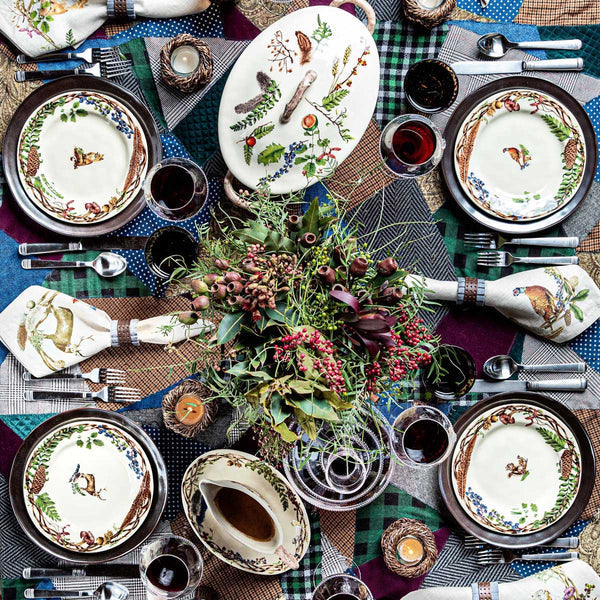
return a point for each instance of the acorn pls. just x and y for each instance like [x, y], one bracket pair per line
[232, 276]
[235, 287]
[199, 286]
[222, 264]
[219, 290]
[359, 266]
[386, 267]
[327, 274]
[200, 303]
[188, 317]
[308, 239]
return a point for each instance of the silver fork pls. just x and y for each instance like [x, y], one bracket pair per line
[109, 70]
[492, 241]
[473, 543]
[106, 394]
[100, 375]
[505, 259]
[91, 55]
[494, 556]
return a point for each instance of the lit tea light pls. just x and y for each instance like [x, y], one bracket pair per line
[185, 60]
[431, 4]
[410, 550]
[189, 409]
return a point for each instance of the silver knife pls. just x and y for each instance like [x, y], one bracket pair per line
[483, 67]
[577, 384]
[128, 571]
[135, 242]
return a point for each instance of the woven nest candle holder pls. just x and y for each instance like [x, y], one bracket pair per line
[186, 83]
[170, 411]
[427, 17]
[401, 529]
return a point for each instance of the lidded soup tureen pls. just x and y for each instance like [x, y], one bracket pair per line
[299, 98]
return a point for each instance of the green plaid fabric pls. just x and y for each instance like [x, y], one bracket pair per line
[13, 589]
[299, 584]
[372, 520]
[453, 227]
[86, 283]
[400, 45]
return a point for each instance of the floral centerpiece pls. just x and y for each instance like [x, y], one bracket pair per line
[314, 328]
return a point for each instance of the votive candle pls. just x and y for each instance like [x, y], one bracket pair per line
[185, 60]
[431, 4]
[410, 550]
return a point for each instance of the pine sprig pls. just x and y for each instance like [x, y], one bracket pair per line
[560, 130]
[270, 98]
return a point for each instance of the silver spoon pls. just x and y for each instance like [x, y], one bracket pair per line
[503, 367]
[495, 45]
[106, 264]
[108, 590]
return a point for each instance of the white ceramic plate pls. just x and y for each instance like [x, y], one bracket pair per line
[516, 469]
[329, 120]
[82, 157]
[231, 465]
[88, 486]
[520, 155]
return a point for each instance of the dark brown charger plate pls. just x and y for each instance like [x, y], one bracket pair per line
[453, 128]
[588, 474]
[11, 141]
[159, 496]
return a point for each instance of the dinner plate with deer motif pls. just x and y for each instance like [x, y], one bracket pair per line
[82, 157]
[89, 484]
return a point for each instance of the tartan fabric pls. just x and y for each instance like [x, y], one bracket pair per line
[400, 45]
[559, 12]
[86, 283]
[339, 527]
[592, 242]
[299, 584]
[372, 520]
[590, 419]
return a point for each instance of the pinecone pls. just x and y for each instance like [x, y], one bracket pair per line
[39, 480]
[33, 162]
[566, 463]
[570, 153]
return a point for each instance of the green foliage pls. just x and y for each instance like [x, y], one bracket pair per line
[270, 98]
[247, 153]
[271, 154]
[47, 506]
[334, 99]
[559, 129]
[322, 32]
[230, 326]
[552, 439]
[70, 38]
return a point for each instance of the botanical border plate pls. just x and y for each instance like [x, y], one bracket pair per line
[10, 144]
[489, 515]
[520, 155]
[88, 485]
[451, 174]
[516, 469]
[240, 467]
[82, 157]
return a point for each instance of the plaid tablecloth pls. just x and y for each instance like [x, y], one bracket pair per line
[188, 128]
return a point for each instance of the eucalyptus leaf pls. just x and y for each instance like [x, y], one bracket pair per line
[230, 326]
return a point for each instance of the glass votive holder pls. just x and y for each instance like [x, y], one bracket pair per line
[185, 60]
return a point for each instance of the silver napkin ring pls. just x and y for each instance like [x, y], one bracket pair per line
[121, 9]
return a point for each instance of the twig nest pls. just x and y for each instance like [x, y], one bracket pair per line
[412, 530]
[186, 83]
[427, 17]
[186, 409]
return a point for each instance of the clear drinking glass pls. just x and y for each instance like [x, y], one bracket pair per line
[170, 567]
[176, 189]
[423, 436]
[342, 586]
[411, 146]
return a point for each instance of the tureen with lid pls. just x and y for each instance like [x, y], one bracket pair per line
[299, 98]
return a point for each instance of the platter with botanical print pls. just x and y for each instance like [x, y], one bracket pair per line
[82, 157]
[88, 486]
[299, 99]
[263, 480]
[520, 155]
[516, 468]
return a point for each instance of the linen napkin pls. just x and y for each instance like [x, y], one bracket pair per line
[40, 26]
[570, 581]
[556, 303]
[48, 331]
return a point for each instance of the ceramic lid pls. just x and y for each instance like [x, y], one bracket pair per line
[299, 99]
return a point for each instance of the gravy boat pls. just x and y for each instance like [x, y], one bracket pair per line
[209, 489]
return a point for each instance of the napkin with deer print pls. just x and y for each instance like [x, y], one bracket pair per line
[39, 26]
[48, 331]
[556, 303]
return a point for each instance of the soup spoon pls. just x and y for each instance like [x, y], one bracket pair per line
[106, 264]
[109, 590]
[504, 366]
[496, 45]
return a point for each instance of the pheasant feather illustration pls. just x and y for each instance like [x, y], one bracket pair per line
[520, 155]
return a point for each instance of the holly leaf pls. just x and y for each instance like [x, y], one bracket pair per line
[271, 154]
[247, 153]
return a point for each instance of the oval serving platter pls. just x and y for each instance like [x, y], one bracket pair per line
[239, 467]
[523, 157]
[82, 157]
[88, 484]
[521, 472]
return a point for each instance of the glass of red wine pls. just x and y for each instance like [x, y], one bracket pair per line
[170, 567]
[423, 436]
[411, 146]
[176, 189]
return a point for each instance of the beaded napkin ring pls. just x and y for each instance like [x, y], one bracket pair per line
[485, 590]
[124, 332]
